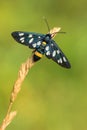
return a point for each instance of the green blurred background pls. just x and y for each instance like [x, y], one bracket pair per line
[52, 98]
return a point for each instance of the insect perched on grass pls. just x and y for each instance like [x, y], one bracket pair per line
[43, 44]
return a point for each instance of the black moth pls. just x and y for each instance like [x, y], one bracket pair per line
[43, 44]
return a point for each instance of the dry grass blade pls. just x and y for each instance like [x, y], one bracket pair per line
[8, 120]
[23, 71]
[21, 76]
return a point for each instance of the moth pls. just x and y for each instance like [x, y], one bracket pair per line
[43, 44]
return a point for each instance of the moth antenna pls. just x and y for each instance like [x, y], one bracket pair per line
[61, 32]
[46, 23]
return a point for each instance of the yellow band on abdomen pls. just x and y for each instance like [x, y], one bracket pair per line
[38, 54]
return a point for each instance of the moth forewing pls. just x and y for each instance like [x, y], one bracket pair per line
[54, 31]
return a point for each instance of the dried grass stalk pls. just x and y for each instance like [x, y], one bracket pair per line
[9, 117]
[23, 71]
[21, 76]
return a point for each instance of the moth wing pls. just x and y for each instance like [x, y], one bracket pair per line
[31, 39]
[53, 51]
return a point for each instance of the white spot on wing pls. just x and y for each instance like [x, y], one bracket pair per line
[34, 45]
[39, 37]
[52, 44]
[47, 48]
[54, 53]
[22, 38]
[22, 41]
[48, 53]
[39, 43]
[31, 40]
[58, 52]
[30, 35]
[60, 61]
[64, 59]
[21, 34]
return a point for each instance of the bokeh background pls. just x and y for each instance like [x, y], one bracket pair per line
[51, 98]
